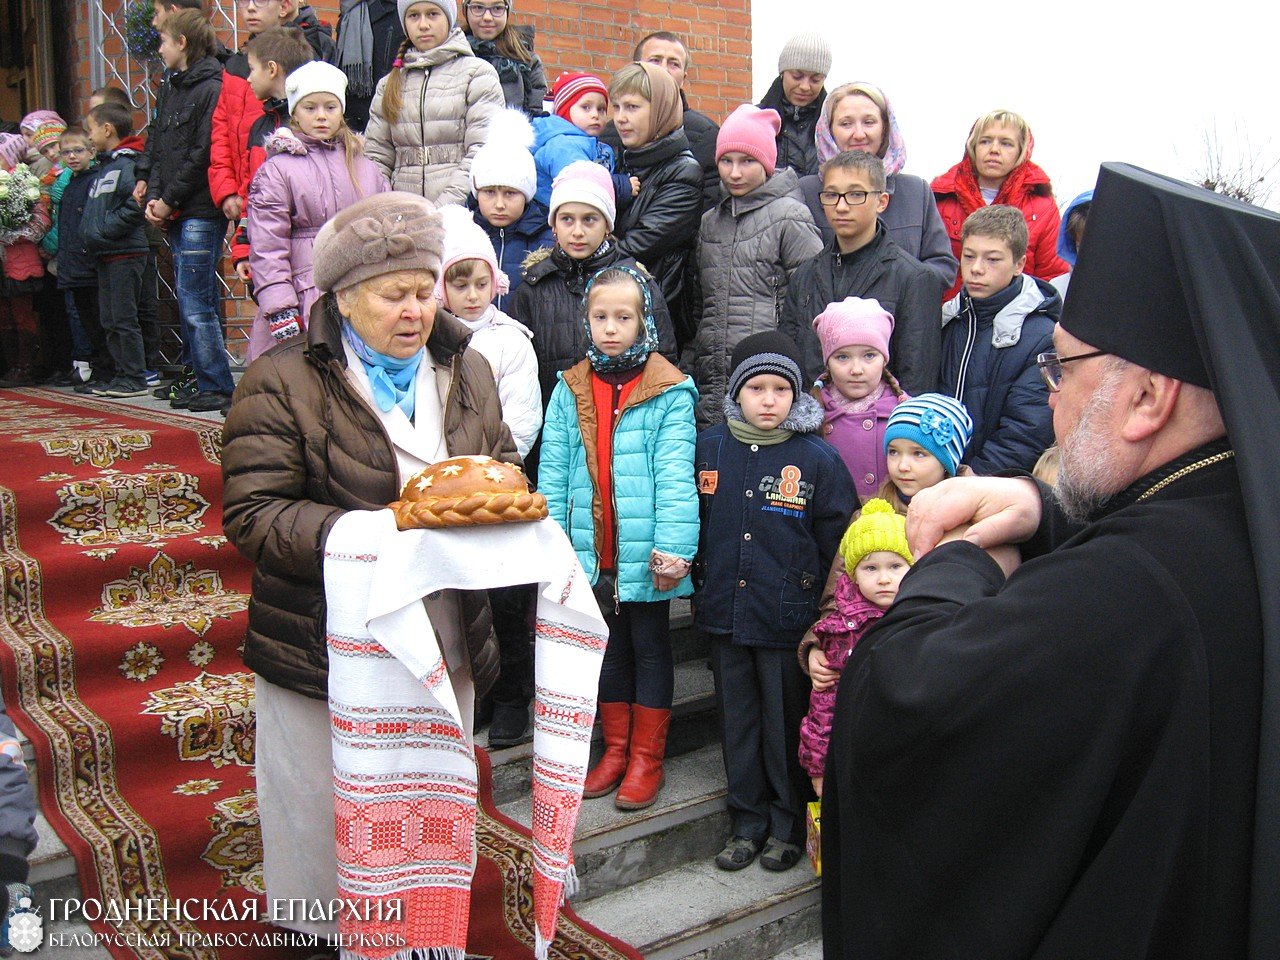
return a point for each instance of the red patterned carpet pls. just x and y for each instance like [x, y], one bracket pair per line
[124, 609]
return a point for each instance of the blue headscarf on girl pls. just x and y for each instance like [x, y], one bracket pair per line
[647, 341]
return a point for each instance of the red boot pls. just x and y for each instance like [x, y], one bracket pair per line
[648, 746]
[607, 773]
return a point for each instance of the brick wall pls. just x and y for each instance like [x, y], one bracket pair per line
[599, 37]
[594, 36]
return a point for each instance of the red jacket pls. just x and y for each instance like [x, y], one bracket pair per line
[233, 117]
[1026, 188]
[275, 114]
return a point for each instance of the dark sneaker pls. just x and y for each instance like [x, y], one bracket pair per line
[153, 378]
[207, 402]
[737, 853]
[779, 856]
[510, 726]
[122, 388]
[182, 392]
[94, 383]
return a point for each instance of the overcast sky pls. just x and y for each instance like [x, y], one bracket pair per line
[1138, 82]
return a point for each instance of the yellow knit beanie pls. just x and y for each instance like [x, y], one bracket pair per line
[878, 528]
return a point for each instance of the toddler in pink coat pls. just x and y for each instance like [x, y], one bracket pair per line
[876, 557]
[314, 169]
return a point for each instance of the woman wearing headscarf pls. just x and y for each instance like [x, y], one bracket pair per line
[660, 227]
[997, 168]
[858, 116]
[381, 385]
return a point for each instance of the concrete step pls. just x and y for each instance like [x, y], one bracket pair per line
[699, 911]
[614, 848]
[809, 950]
[51, 861]
[693, 726]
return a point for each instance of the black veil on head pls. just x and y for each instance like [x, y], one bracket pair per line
[1186, 282]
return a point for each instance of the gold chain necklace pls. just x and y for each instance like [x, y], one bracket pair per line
[1189, 468]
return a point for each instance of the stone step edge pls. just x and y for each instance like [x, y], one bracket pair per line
[725, 927]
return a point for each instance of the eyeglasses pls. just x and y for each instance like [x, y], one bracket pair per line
[478, 10]
[255, 3]
[1050, 365]
[854, 198]
[73, 151]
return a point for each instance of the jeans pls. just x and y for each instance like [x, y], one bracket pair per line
[197, 248]
[638, 665]
[86, 298]
[81, 345]
[149, 314]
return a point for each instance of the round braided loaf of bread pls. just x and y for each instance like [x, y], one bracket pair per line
[467, 491]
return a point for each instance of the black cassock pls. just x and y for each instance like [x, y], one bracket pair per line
[1062, 765]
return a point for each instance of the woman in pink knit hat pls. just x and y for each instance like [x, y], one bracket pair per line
[859, 393]
[749, 244]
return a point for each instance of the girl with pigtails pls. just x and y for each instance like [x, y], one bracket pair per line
[431, 113]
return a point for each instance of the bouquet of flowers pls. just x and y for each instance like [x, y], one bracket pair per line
[140, 36]
[19, 194]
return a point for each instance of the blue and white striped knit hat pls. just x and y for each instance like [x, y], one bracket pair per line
[936, 422]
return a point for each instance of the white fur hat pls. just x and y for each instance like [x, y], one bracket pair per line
[315, 77]
[505, 159]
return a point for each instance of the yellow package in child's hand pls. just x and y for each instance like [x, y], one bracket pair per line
[813, 835]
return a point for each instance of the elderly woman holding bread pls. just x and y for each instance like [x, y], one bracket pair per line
[381, 386]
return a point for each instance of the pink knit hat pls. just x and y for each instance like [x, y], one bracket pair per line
[569, 88]
[854, 322]
[584, 182]
[13, 148]
[464, 239]
[752, 131]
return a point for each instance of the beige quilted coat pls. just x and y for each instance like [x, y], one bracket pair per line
[449, 96]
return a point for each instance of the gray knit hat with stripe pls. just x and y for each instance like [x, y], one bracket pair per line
[768, 352]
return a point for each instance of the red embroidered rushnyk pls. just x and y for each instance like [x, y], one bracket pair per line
[404, 770]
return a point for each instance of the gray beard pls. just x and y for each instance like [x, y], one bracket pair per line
[1088, 475]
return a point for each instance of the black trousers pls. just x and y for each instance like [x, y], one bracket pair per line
[149, 314]
[638, 666]
[86, 299]
[119, 291]
[761, 697]
[513, 613]
[54, 326]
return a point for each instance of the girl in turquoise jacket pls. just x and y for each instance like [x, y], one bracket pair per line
[617, 472]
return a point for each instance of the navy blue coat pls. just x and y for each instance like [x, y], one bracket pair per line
[512, 244]
[76, 267]
[991, 368]
[772, 519]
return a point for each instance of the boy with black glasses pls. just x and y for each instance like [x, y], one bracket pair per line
[862, 261]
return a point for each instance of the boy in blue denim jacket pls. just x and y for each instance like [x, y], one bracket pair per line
[776, 499]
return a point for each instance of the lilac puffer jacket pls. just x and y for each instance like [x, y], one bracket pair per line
[860, 438]
[838, 633]
[303, 183]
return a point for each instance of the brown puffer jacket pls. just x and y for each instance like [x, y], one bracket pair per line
[300, 447]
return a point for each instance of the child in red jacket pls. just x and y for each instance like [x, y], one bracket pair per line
[273, 55]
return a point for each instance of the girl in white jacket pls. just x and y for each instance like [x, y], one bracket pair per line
[469, 281]
[430, 114]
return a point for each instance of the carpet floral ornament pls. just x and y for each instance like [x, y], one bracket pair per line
[168, 594]
[123, 508]
[211, 717]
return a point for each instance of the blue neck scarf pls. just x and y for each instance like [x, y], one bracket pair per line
[394, 381]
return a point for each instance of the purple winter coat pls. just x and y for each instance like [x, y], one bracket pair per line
[859, 437]
[303, 183]
[838, 633]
